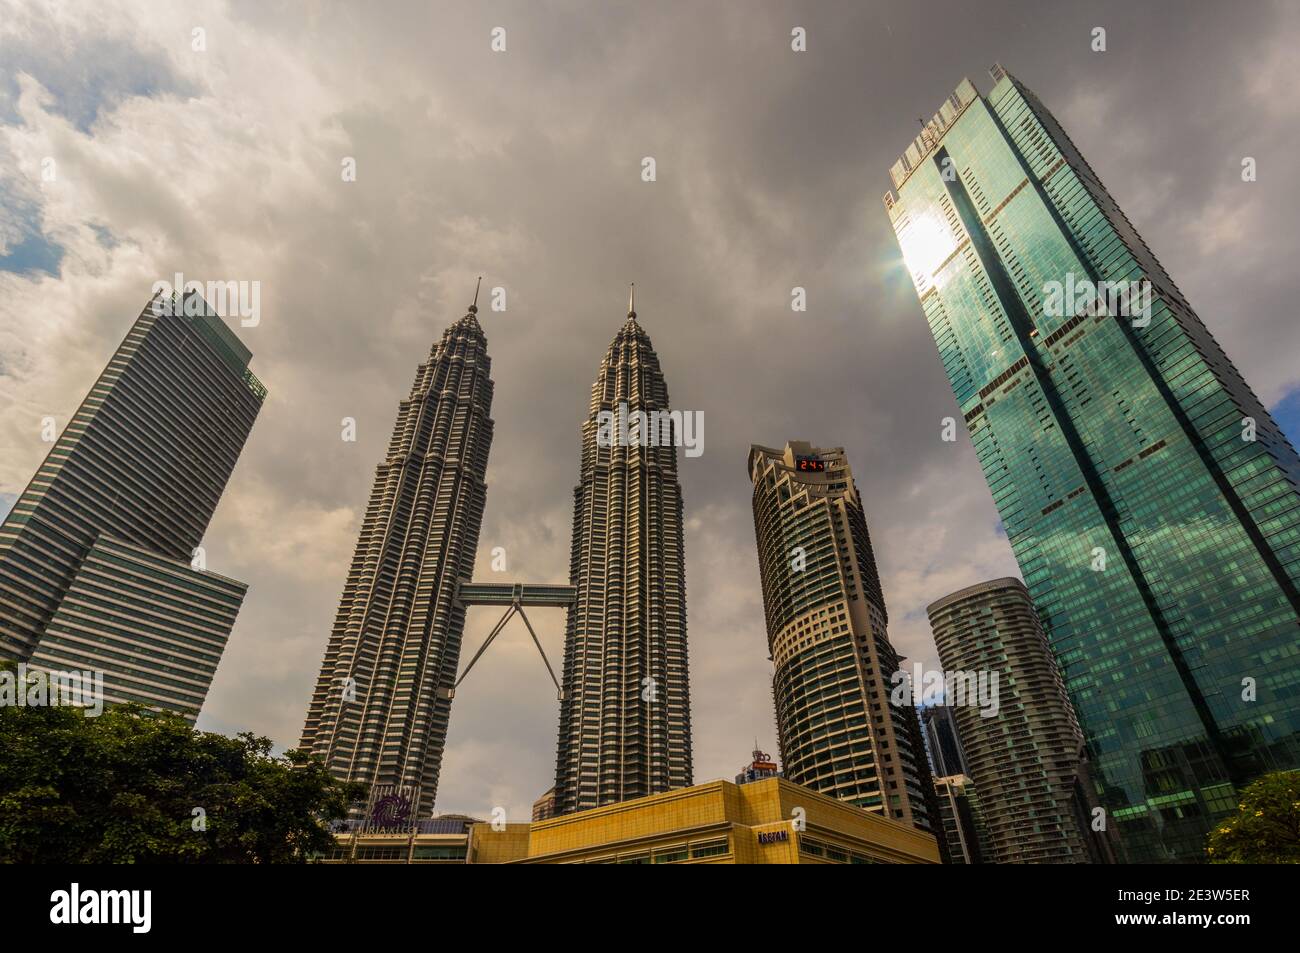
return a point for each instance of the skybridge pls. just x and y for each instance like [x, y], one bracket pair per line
[514, 596]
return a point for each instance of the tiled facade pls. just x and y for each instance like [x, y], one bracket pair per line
[770, 821]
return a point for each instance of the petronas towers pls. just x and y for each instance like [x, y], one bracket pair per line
[382, 702]
[625, 723]
[380, 709]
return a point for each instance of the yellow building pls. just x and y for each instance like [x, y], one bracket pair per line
[772, 821]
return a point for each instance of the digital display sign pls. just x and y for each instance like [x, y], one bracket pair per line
[809, 464]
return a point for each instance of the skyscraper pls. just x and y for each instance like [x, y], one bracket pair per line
[1023, 754]
[961, 819]
[544, 806]
[98, 555]
[1149, 497]
[941, 741]
[840, 731]
[379, 712]
[625, 721]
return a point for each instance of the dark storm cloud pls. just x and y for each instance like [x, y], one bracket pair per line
[524, 166]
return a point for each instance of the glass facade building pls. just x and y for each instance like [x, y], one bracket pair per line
[1149, 497]
[98, 555]
[940, 733]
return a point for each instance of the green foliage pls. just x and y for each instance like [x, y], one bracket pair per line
[122, 788]
[1266, 829]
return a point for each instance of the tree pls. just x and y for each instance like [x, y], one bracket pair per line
[136, 786]
[1266, 829]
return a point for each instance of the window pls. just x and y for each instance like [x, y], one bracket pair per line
[709, 848]
[439, 852]
[381, 853]
[672, 855]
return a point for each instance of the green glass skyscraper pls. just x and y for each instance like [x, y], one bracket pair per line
[1149, 497]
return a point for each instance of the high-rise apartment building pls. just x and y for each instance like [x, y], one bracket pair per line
[100, 556]
[625, 721]
[379, 712]
[1149, 497]
[1023, 746]
[840, 731]
[544, 806]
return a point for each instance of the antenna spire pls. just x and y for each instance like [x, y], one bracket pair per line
[473, 309]
[631, 300]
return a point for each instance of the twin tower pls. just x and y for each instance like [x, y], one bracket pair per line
[381, 705]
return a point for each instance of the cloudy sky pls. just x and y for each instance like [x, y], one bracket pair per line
[525, 166]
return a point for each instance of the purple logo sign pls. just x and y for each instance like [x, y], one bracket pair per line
[391, 810]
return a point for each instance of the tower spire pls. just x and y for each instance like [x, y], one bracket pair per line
[631, 301]
[473, 309]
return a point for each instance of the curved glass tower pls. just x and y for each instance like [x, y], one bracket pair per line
[625, 721]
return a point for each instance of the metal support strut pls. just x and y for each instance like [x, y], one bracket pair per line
[515, 606]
